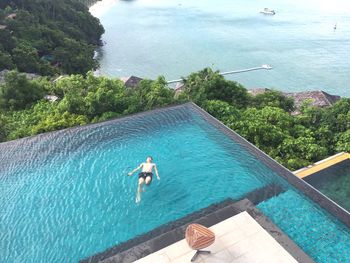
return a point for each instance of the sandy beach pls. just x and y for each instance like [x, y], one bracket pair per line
[101, 7]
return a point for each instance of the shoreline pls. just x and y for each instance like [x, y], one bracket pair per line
[101, 7]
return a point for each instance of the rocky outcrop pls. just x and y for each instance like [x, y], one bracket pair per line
[131, 82]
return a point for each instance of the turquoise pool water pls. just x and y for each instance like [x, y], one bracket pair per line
[173, 38]
[323, 240]
[65, 195]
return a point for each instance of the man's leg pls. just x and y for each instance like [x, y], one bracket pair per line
[148, 180]
[139, 189]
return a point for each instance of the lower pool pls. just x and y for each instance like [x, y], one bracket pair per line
[66, 195]
[334, 182]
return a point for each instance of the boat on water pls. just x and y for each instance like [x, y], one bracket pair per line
[268, 11]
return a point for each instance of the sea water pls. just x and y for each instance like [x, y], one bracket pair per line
[173, 38]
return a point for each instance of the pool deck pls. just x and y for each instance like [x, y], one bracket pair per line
[243, 234]
[321, 165]
[237, 239]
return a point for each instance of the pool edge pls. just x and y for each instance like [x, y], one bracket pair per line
[319, 198]
[229, 209]
[78, 127]
[322, 165]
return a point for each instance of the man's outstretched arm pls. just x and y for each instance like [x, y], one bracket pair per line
[156, 170]
[133, 171]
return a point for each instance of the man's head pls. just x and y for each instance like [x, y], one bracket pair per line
[149, 159]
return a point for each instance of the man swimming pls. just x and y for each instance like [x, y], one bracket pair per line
[145, 177]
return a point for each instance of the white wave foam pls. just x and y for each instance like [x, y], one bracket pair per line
[101, 7]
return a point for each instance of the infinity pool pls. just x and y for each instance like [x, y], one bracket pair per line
[66, 195]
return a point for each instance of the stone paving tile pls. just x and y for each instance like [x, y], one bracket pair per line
[178, 249]
[223, 227]
[239, 239]
[240, 248]
[217, 257]
[233, 237]
[153, 258]
[246, 258]
[217, 246]
[187, 258]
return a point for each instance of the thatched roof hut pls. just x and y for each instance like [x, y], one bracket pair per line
[131, 82]
[317, 98]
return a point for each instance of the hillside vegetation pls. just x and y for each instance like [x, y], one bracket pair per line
[48, 37]
[264, 120]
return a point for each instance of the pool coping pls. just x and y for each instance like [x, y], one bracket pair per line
[322, 165]
[342, 164]
[255, 197]
[214, 214]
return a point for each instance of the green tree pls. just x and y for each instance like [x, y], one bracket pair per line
[3, 128]
[107, 96]
[5, 61]
[57, 121]
[310, 116]
[74, 90]
[274, 99]
[18, 92]
[92, 96]
[44, 29]
[26, 58]
[266, 128]
[325, 137]
[208, 85]
[337, 117]
[21, 122]
[343, 142]
[150, 94]
[7, 42]
[222, 110]
[301, 151]
[75, 57]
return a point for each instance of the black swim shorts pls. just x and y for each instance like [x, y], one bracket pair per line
[144, 175]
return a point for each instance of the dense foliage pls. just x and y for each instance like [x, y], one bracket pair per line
[83, 100]
[18, 92]
[264, 120]
[88, 2]
[48, 37]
